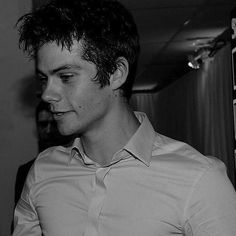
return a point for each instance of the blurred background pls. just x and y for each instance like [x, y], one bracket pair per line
[185, 82]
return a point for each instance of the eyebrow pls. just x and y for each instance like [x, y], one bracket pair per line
[60, 68]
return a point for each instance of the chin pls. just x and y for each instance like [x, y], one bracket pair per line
[70, 128]
[67, 131]
[63, 131]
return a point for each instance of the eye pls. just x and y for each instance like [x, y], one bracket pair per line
[66, 77]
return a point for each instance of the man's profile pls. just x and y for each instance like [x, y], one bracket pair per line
[119, 177]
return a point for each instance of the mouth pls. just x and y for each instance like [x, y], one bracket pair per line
[58, 115]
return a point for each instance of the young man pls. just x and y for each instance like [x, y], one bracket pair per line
[119, 177]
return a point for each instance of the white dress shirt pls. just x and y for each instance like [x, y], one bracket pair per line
[154, 186]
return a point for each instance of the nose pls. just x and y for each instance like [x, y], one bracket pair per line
[52, 92]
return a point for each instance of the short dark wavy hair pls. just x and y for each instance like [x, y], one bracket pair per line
[105, 27]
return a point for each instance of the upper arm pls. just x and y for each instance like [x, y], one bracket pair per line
[26, 220]
[211, 207]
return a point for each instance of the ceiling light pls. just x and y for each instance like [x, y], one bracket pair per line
[205, 53]
[195, 61]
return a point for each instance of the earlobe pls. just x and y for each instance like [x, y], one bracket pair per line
[118, 78]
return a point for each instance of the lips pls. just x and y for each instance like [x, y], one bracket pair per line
[58, 114]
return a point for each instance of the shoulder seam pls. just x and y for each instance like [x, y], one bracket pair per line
[193, 188]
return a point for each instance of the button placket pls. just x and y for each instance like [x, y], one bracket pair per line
[99, 191]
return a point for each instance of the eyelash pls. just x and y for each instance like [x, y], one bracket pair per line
[66, 77]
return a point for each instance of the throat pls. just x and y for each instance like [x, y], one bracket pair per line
[100, 151]
[103, 143]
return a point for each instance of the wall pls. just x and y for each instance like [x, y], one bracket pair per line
[17, 129]
[197, 109]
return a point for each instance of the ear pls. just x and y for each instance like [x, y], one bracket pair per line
[118, 78]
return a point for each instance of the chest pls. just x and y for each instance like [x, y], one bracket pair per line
[122, 201]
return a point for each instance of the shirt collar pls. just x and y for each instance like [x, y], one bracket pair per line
[76, 148]
[140, 145]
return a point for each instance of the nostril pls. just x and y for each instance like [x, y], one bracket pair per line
[50, 96]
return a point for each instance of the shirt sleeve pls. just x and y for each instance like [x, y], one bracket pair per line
[26, 220]
[211, 206]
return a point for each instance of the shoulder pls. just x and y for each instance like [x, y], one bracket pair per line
[53, 154]
[48, 162]
[171, 149]
[182, 160]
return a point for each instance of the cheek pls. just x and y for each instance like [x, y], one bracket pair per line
[93, 105]
[83, 104]
[75, 99]
[89, 100]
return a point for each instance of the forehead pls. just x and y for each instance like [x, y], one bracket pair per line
[55, 48]
[52, 54]
[52, 58]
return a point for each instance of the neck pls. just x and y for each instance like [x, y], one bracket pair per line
[117, 128]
